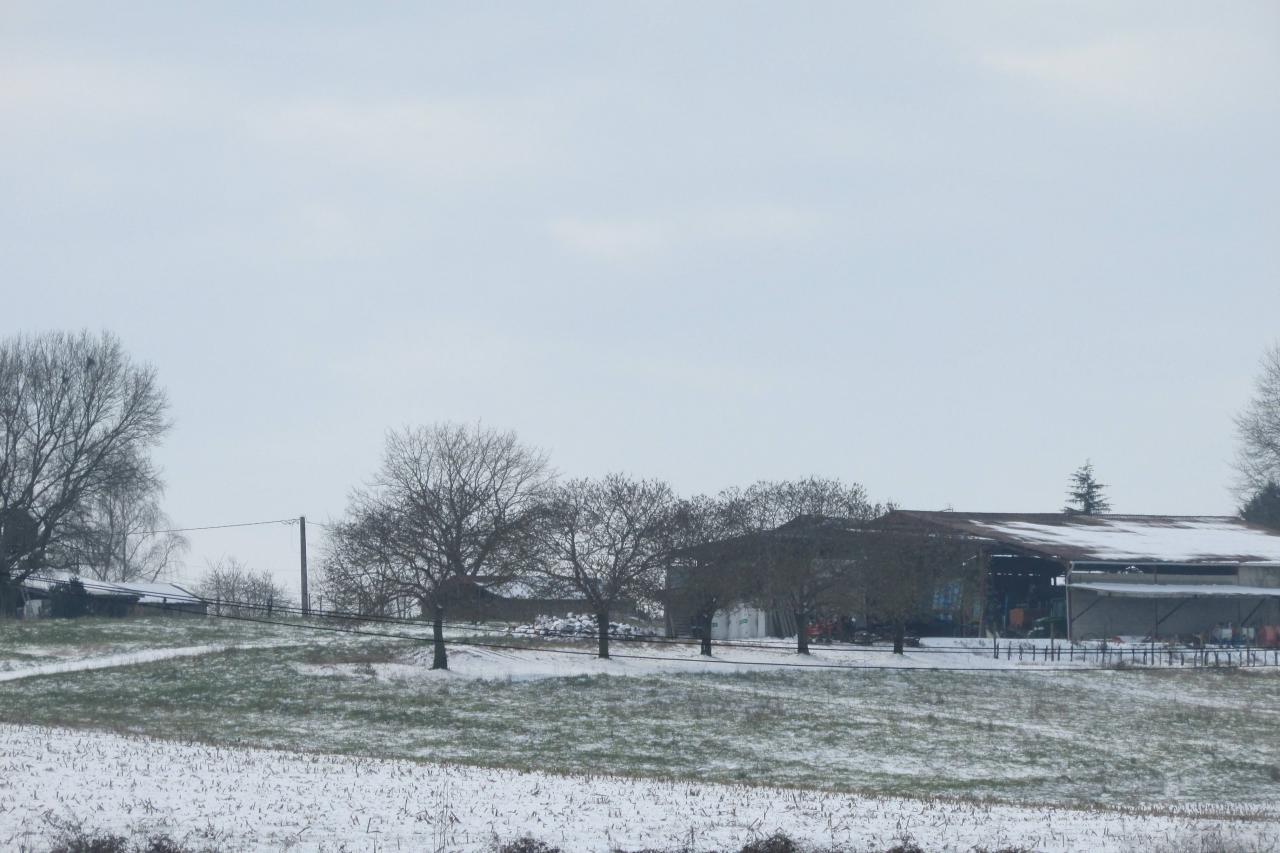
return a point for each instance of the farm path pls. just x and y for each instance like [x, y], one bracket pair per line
[121, 659]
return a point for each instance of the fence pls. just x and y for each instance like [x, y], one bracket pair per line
[1145, 654]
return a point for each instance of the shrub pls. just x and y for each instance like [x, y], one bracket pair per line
[776, 843]
[528, 844]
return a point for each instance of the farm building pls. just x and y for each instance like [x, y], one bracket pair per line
[103, 598]
[1052, 574]
[482, 600]
[1120, 575]
[724, 573]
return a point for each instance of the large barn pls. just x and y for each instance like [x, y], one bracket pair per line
[1120, 575]
[1067, 575]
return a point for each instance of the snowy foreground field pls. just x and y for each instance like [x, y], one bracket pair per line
[266, 737]
[249, 799]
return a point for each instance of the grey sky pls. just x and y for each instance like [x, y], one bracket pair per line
[946, 250]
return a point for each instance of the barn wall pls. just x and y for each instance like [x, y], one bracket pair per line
[1114, 616]
[740, 623]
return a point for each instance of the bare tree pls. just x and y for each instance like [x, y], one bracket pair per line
[608, 539]
[355, 579]
[1258, 431]
[77, 417]
[702, 586]
[900, 572]
[122, 534]
[795, 570]
[233, 589]
[451, 503]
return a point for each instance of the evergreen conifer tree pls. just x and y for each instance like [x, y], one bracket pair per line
[1086, 495]
[1264, 507]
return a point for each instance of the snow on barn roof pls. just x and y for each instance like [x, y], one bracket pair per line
[147, 593]
[157, 593]
[1205, 539]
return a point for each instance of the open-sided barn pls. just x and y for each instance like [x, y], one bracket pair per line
[1144, 575]
[1047, 574]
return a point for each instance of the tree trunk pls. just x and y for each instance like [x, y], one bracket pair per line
[9, 598]
[802, 633]
[899, 635]
[602, 628]
[440, 660]
[705, 628]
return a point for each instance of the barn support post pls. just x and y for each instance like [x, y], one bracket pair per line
[1071, 636]
[984, 569]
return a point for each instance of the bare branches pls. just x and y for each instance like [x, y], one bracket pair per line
[77, 418]
[233, 589]
[791, 572]
[1258, 432]
[899, 573]
[110, 537]
[607, 539]
[451, 503]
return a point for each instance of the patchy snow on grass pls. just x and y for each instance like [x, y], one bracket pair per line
[643, 659]
[255, 799]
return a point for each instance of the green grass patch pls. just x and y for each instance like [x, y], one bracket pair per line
[1088, 737]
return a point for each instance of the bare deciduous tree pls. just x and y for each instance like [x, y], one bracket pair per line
[77, 418]
[354, 579]
[1258, 431]
[900, 572]
[451, 503]
[703, 588]
[233, 589]
[792, 571]
[122, 535]
[608, 539]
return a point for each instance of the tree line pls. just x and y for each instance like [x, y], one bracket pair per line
[462, 506]
[454, 505]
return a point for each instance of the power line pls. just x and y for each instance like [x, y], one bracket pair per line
[214, 527]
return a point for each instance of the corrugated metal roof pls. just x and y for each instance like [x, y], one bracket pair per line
[1178, 590]
[147, 593]
[1203, 539]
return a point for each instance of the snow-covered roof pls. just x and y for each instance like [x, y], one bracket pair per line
[1118, 538]
[157, 593]
[147, 593]
[1178, 590]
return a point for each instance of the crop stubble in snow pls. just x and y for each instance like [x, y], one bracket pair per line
[259, 799]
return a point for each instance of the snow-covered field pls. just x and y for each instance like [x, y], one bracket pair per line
[855, 753]
[253, 799]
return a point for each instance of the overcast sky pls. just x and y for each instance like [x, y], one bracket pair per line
[947, 250]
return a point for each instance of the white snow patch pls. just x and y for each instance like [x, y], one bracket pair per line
[255, 799]
[1194, 539]
[116, 660]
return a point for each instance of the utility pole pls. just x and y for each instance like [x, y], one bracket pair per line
[302, 543]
